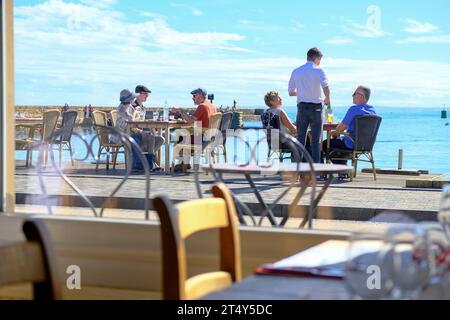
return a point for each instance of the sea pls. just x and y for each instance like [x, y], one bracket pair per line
[419, 132]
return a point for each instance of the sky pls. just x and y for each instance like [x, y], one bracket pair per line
[87, 51]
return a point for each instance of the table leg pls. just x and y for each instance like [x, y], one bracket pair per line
[239, 205]
[313, 206]
[167, 160]
[327, 154]
[270, 214]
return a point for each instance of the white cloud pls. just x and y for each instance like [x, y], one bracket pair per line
[104, 53]
[437, 39]
[416, 27]
[339, 41]
[196, 12]
[364, 31]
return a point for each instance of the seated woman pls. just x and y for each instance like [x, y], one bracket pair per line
[276, 118]
[275, 112]
[125, 113]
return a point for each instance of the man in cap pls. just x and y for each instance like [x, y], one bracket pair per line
[205, 109]
[153, 141]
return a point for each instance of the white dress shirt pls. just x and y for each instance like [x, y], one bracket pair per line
[308, 80]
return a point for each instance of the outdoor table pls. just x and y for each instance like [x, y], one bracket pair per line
[303, 285]
[32, 123]
[328, 170]
[329, 127]
[160, 126]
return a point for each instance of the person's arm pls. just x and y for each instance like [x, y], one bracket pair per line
[188, 118]
[287, 123]
[292, 89]
[326, 92]
[325, 86]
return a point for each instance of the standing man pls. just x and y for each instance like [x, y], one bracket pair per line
[154, 141]
[307, 83]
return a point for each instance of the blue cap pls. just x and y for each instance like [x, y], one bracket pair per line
[202, 91]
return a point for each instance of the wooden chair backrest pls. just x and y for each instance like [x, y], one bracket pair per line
[113, 114]
[183, 220]
[49, 124]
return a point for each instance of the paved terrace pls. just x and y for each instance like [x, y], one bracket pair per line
[360, 200]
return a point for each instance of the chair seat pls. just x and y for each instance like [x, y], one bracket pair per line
[202, 284]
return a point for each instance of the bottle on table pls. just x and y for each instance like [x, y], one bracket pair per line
[165, 112]
[329, 114]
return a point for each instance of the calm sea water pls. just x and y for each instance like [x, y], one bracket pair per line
[421, 133]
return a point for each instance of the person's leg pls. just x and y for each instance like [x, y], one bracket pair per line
[302, 123]
[137, 163]
[338, 144]
[316, 132]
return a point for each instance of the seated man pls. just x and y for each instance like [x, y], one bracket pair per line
[361, 97]
[152, 140]
[205, 109]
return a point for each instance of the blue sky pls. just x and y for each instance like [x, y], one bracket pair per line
[86, 51]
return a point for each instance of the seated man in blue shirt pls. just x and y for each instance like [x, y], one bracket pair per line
[360, 108]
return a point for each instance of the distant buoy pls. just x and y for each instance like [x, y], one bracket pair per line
[447, 124]
[444, 114]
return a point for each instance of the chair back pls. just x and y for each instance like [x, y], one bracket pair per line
[113, 114]
[49, 124]
[101, 120]
[214, 121]
[178, 222]
[366, 132]
[69, 119]
[225, 123]
[272, 124]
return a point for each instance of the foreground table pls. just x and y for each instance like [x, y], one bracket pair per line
[281, 169]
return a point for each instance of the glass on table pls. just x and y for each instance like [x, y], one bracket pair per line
[367, 269]
[412, 260]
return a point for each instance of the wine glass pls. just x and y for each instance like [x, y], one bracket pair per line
[412, 260]
[444, 211]
[366, 270]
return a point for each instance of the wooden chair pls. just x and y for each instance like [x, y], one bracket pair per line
[366, 132]
[196, 150]
[113, 114]
[181, 221]
[50, 120]
[104, 141]
[63, 136]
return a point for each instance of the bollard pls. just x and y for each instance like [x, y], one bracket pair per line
[400, 159]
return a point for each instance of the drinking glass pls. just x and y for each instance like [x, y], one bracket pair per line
[366, 270]
[444, 211]
[412, 260]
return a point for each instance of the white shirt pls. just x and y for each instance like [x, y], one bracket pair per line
[308, 80]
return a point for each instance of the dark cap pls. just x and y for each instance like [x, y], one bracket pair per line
[140, 88]
[201, 91]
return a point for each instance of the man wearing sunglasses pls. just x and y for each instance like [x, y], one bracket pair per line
[360, 108]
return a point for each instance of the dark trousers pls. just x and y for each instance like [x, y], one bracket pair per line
[336, 144]
[310, 115]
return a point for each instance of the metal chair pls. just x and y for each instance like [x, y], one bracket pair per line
[113, 114]
[365, 136]
[179, 222]
[206, 148]
[50, 119]
[63, 136]
[101, 121]
[225, 124]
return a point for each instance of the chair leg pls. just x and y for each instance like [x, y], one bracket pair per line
[114, 157]
[355, 164]
[373, 167]
[107, 158]
[70, 153]
[60, 153]
[98, 157]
